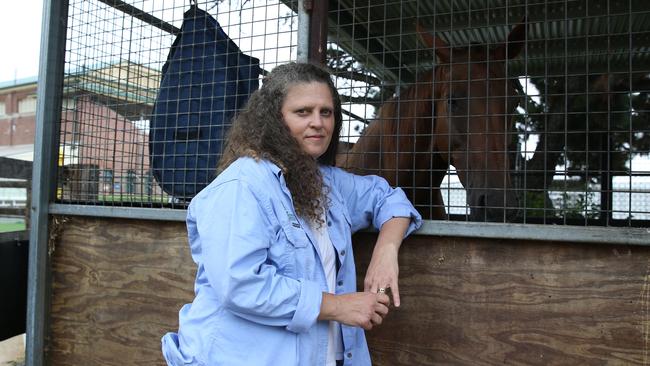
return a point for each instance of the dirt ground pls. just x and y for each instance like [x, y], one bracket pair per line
[12, 351]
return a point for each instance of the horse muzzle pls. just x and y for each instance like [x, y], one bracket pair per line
[493, 205]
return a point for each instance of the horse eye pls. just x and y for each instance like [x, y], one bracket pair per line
[452, 103]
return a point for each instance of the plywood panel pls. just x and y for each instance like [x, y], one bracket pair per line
[117, 287]
[495, 302]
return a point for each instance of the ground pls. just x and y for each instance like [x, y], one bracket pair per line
[11, 224]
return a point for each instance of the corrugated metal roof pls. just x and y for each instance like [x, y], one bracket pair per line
[563, 36]
[18, 82]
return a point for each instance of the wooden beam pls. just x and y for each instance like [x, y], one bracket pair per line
[317, 31]
[14, 236]
[14, 183]
[15, 169]
[13, 211]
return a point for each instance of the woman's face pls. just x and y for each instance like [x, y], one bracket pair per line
[308, 111]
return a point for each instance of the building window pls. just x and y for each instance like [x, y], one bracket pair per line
[106, 177]
[27, 105]
[2, 109]
[131, 180]
[69, 104]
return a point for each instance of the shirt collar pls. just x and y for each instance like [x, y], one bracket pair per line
[273, 167]
[278, 172]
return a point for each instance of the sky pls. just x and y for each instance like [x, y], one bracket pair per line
[20, 37]
[20, 32]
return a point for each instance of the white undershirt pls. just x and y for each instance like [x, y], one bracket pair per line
[328, 259]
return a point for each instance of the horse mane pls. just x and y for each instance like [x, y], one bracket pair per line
[408, 114]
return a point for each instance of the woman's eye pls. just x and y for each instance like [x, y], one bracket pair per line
[326, 113]
[301, 112]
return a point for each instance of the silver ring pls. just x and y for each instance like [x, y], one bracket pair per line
[381, 290]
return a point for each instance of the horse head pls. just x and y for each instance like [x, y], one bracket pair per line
[459, 113]
[474, 103]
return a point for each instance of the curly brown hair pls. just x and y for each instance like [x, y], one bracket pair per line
[259, 131]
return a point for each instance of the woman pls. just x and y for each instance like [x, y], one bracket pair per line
[271, 237]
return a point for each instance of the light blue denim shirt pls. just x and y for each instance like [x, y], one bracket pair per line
[259, 281]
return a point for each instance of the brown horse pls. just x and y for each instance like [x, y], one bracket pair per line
[459, 113]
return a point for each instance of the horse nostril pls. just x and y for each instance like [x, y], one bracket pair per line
[481, 201]
[477, 208]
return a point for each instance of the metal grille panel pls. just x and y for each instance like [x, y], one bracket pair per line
[576, 146]
[575, 149]
[114, 57]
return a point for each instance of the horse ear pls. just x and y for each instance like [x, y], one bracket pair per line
[514, 45]
[440, 47]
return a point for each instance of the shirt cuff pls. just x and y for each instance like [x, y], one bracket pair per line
[308, 307]
[401, 210]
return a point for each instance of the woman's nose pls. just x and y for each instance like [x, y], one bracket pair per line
[316, 121]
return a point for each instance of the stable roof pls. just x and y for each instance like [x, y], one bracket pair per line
[564, 37]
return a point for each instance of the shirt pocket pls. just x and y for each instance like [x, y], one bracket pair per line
[287, 247]
[294, 233]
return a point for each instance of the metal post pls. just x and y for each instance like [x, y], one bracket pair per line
[48, 115]
[303, 30]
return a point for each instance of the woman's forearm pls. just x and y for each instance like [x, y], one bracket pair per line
[392, 232]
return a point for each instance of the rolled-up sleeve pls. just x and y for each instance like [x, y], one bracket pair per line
[235, 234]
[370, 200]
[307, 309]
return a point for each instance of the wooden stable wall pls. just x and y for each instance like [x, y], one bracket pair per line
[503, 302]
[118, 284]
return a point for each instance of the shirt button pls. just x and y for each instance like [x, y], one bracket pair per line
[329, 223]
[349, 355]
[343, 252]
[340, 283]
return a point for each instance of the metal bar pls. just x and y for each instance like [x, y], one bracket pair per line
[144, 16]
[355, 116]
[571, 234]
[606, 184]
[48, 115]
[303, 31]
[605, 235]
[121, 212]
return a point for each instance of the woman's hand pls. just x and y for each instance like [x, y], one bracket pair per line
[359, 309]
[383, 271]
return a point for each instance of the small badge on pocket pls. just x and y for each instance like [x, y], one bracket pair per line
[293, 220]
[291, 217]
